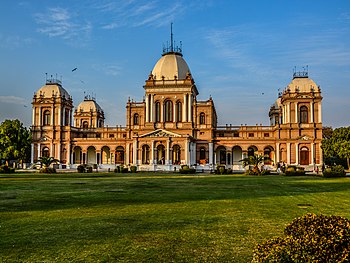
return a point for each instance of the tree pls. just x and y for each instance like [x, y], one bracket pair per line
[327, 132]
[255, 160]
[15, 141]
[338, 145]
[47, 161]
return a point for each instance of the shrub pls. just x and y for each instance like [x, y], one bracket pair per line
[265, 172]
[81, 168]
[185, 169]
[88, 169]
[123, 169]
[48, 170]
[133, 169]
[4, 169]
[310, 238]
[292, 170]
[334, 171]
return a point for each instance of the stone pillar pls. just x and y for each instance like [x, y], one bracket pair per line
[162, 110]
[152, 152]
[33, 116]
[147, 108]
[194, 153]
[68, 154]
[311, 111]
[187, 152]
[38, 151]
[312, 153]
[184, 109]
[296, 112]
[288, 112]
[277, 155]
[320, 154]
[40, 118]
[190, 101]
[174, 112]
[288, 152]
[134, 152]
[296, 153]
[32, 153]
[127, 155]
[211, 153]
[320, 112]
[152, 109]
[167, 154]
[52, 115]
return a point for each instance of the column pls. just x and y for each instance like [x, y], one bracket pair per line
[147, 111]
[311, 111]
[296, 153]
[127, 155]
[296, 112]
[40, 118]
[194, 153]
[211, 153]
[320, 112]
[174, 112]
[59, 152]
[162, 110]
[288, 112]
[187, 150]
[33, 116]
[167, 154]
[39, 151]
[184, 109]
[32, 153]
[312, 153]
[134, 152]
[60, 109]
[52, 115]
[152, 152]
[288, 152]
[320, 154]
[151, 109]
[68, 154]
[51, 149]
[190, 100]
[277, 155]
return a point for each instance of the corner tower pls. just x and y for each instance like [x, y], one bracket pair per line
[51, 122]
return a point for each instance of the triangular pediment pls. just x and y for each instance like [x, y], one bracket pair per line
[160, 133]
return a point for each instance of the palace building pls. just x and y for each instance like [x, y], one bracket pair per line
[172, 126]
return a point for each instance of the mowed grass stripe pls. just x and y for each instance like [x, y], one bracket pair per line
[154, 218]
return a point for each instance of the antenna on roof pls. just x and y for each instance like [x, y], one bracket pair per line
[171, 38]
[172, 47]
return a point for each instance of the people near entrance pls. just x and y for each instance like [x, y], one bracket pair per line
[279, 167]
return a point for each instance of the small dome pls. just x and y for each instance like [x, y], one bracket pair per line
[303, 84]
[169, 66]
[50, 90]
[89, 105]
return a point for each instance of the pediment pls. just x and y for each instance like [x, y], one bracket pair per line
[305, 138]
[160, 133]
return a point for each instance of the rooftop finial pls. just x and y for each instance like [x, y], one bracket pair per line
[172, 48]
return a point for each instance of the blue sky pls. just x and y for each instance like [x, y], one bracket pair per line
[239, 52]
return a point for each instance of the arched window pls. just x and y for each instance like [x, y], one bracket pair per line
[304, 156]
[178, 111]
[157, 111]
[176, 154]
[45, 152]
[202, 118]
[202, 157]
[85, 124]
[119, 155]
[145, 154]
[303, 114]
[168, 111]
[136, 119]
[160, 154]
[47, 117]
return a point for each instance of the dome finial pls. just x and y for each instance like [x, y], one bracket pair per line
[172, 48]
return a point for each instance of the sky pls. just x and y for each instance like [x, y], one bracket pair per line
[239, 52]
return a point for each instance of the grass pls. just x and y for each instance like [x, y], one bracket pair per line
[154, 217]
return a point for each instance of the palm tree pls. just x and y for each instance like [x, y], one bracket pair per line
[255, 160]
[47, 161]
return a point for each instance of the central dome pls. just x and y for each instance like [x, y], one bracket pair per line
[171, 66]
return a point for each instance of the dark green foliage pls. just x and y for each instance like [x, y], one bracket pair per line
[84, 168]
[254, 162]
[293, 170]
[310, 238]
[47, 161]
[334, 171]
[185, 169]
[133, 169]
[4, 169]
[15, 141]
[124, 169]
[48, 170]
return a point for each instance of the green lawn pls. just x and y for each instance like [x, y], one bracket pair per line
[154, 217]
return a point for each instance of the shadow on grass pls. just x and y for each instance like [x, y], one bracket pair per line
[50, 192]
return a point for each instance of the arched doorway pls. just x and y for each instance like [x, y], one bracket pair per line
[160, 154]
[268, 155]
[221, 155]
[145, 154]
[252, 150]
[45, 152]
[91, 155]
[176, 154]
[236, 155]
[119, 155]
[77, 155]
[106, 155]
[202, 155]
[304, 156]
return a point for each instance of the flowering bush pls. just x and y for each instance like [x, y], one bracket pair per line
[310, 238]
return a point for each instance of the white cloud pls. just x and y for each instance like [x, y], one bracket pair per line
[13, 100]
[15, 41]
